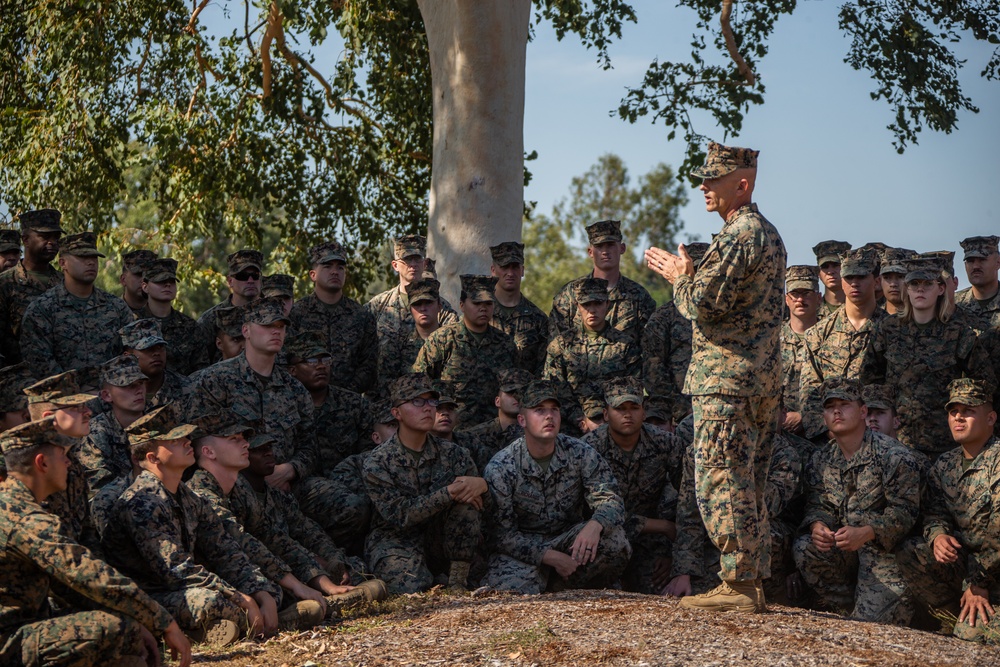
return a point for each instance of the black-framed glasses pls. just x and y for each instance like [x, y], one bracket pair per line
[421, 402]
[244, 276]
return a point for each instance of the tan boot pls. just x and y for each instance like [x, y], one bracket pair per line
[302, 615]
[746, 597]
[218, 634]
[372, 590]
[458, 575]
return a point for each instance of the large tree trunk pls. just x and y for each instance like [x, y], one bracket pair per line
[477, 50]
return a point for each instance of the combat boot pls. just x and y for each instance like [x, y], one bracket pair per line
[458, 575]
[218, 634]
[302, 615]
[746, 597]
[372, 590]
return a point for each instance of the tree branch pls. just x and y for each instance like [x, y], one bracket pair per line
[727, 32]
[274, 20]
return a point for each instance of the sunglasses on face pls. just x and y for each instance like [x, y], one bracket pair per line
[244, 276]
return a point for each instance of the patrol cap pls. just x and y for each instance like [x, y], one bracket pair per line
[220, 424]
[412, 385]
[277, 284]
[507, 253]
[425, 289]
[980, 246]
[621, 390]
[478, 289]
[658, 407]
[265, 311]
[696, 251]
[409, 246]
[537, 393]
[383, 412]
[136, 261]
[858, 262]
[160, 270]
[121, 371]
[142, 334]
[802, 276]
[41, 220]
[61, 389]
[430, 269]
[446, 393]
[10, 239]
[922, 268]
[893, 258]
[605, 231]
[229, 320]
[881, 396]
[968, 391]
[160, 424]
[722, 160]
[830, 251]
[83, 244]
[13, 380]
[258, 440]
[588, 290]
[32, 434]
[847, 389]
[946, 260]
[305, 345]
[324, 253]
[514, 380]
[244, 259]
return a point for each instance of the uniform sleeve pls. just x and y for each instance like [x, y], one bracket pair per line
[305, 460]
[601, 491]
[657, 375]
[36, 342]
[226, 557]
[430, 358]
[901, 481]
[561, 317]
[810, 380]
[937, 518]
[505, 533]
[818, 507]
[397, 508]
[709, 296]
[784, 479]
[366, 364]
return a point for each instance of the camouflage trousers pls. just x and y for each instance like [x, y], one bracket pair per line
[613, 553]
[82, 639]
[195, 609]
[939, 586]
[733, 436]
[647, 551]
[344, 513]
[408, 563]
[865, 584]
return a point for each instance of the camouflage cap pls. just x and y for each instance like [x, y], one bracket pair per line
[478, 288]
[425, 289]
[446, 393]
[946, 260]
[696, 251]
[142, 334]
[968, 391]
[305, 345]
[621, 390]
[324, 253]
[278, 284]
[922, 268]
[658, 407]
[722, 160]
[874, 246]
[507, 253]
[265, 311]
[847, 389]
[244, 259]
[430, 269]
[858, 262]
[605, 231]
[160, 424]
[980, 246]
[41, 220]
[588, 290]
[229, 320]
[83, 244]
[160, 270]
[32, 434]
[410, 386]
[409, 246]
[258, 440]
[514, 380]
[537, 393]
[220, 424]
[892, 260]
[121, 371]
[802, 276]
[13, 380]
[383, 412]
[136, 261]
[10, 239]
[881, 396]
[61, 389]
[830, 251]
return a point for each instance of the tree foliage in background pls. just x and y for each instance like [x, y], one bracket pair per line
[649, 210]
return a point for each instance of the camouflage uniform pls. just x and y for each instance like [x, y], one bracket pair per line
[417, 528]
[630, 309]
[666, 354]
[343, 427]
[391, 310]
[350, 507]
[734, 302]
[648, 478]
[177, 549]
[534, 511]
[484, 440]
[987, 311]
[103, 501]
[829, 251]
[879, 486]
[105, 452]
[236, 262]
[399, 346]
[61, 332]
[175, 388]
[187, 348]
[13, 380]
[797, 277]
[524, 322]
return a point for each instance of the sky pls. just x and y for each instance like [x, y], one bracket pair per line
[827, 167]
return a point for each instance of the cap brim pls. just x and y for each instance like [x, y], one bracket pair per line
[705, 173]
[45, 230]
[971, 402]
[129, 380]
[84, 253]
[923, 274]
[838, 394]
[177, 432]
[160, 277]
[541, 399]
[73, 399]
[793, 285]
[976, 254]
[820, 261]
[892, 268]
[618, 401]
[332, 258]
[155, 341]
[7, 247]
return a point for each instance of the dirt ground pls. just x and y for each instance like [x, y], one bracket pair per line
[596, 628]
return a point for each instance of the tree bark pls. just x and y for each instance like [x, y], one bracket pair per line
[477, 51]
